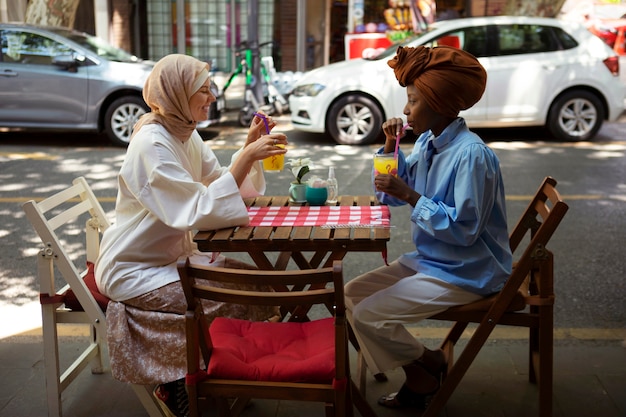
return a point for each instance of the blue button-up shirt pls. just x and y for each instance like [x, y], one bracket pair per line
[459, 224]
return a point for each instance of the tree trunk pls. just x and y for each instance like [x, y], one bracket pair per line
[52, 12]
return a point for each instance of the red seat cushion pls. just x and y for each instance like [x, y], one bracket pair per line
[264, 351]
[72, 302]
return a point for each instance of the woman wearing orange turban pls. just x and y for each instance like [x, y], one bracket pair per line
[453, 185]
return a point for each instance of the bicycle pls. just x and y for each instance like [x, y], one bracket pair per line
[274, 102]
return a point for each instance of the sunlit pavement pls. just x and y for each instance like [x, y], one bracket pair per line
[590, 363]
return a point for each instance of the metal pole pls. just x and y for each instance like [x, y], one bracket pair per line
[253, 44]
[301, 36]
[233, 36]
[101, 19]
[180, 27]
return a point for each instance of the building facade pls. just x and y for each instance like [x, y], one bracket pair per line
[305, 33]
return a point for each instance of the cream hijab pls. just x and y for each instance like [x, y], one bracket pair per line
[170, 85]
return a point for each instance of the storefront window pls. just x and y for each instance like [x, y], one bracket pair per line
[213, 29]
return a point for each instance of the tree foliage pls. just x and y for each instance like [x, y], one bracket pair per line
[52, 12]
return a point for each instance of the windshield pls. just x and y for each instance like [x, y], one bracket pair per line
[98, 46]
[393, 48]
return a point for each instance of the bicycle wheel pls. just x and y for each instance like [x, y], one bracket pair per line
[245, 116]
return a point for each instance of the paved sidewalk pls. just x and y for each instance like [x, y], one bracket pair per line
[589, 380]
[589, 372]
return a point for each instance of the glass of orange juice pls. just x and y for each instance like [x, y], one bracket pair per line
[274, 163]
[385, 163]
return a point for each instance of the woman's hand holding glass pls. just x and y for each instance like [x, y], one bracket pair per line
[266, 146]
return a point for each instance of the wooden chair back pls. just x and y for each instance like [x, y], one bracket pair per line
[291, 289]
[70, 296]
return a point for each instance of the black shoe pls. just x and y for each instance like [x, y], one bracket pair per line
[172, 398]
[405, 398]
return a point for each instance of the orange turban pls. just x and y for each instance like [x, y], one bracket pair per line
[449, 79]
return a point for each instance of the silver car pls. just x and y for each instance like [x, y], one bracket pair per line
[56, 78]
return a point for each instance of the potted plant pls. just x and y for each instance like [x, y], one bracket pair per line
[297, 189]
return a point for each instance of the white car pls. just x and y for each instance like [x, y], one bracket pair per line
[541, 72]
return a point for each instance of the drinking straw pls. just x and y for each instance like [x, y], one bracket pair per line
[262, 117]
[395, 153]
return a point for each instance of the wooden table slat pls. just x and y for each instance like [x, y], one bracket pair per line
[302, 233]
[243, 233]
[280, 201]
[321, 233]
[282, 233]
[363, 233]
[262, 233]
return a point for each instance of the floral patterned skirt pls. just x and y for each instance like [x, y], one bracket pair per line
[146, 334]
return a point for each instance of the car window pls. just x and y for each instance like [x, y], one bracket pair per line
[95, 45]
[30, 48]
[565, 39]
[472, 40]
[100, 47]
[525, 39]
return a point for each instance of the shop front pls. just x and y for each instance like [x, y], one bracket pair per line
[363, 28]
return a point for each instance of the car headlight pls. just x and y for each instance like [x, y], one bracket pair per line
[310, 90]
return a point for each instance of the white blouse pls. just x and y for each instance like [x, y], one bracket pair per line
[167, 189]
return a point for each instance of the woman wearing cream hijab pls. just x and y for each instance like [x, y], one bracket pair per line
[170, 184]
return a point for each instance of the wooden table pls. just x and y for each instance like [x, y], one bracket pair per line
[291, 242]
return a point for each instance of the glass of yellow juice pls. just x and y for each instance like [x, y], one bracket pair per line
[274, 163]
[385, 163]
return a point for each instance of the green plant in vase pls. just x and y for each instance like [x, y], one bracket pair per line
[299, 168]
[297, 189]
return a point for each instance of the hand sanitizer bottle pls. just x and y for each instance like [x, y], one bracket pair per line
[331, 184]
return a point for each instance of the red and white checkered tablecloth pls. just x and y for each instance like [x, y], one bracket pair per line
[325, 216]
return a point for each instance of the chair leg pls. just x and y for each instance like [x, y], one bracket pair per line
[453, 336]
[97, 365]
[329, 410]
[340, 407]
[223, 407]
[238, 405]
[51, 360]
[545, 360]
[361, 372]
[461, 365]
[360, 403]
[361, 364]
[144, 393]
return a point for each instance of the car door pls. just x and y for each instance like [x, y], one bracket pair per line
[524, 71]
[34, 91]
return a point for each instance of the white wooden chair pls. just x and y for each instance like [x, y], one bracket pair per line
[77, 301]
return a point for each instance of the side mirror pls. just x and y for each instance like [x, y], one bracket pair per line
[68, 62]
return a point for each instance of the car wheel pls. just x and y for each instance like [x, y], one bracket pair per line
[354, 120]
[576, 116]
[121, 116]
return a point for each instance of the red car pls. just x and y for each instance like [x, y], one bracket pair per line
[611, 31]
[606, 21]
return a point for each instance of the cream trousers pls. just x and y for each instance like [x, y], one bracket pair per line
[380, 303]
